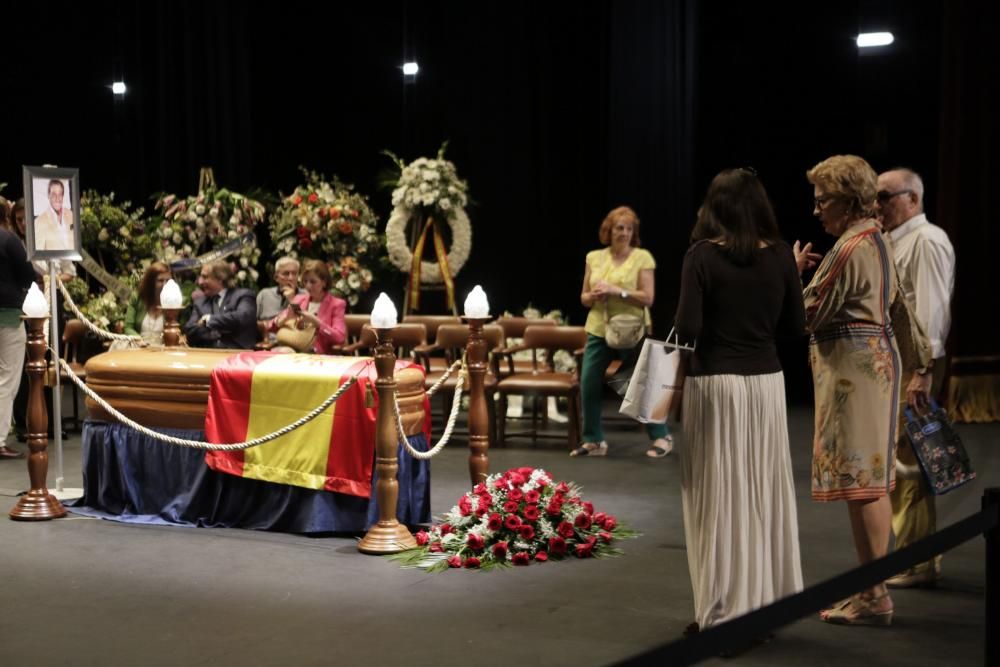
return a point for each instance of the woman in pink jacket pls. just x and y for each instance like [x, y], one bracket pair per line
[317, 307]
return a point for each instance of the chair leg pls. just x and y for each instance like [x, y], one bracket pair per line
[573, 432]
[502, 421]
[491, 412]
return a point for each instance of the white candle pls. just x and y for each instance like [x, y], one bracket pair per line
[170, 295]
[35, 304]
[476, 304]
[384, 313]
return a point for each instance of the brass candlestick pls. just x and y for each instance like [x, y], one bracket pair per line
[479, 418]
[37, 504]
[171, 329]
[387, 536]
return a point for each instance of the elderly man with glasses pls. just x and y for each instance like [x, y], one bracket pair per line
[925, 263]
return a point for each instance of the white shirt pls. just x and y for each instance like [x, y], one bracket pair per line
[59, 237]
[925, 261]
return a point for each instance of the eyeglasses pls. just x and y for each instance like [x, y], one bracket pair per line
[821, 202]
[884, 196]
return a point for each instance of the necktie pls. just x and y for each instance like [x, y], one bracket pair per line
[216, 305]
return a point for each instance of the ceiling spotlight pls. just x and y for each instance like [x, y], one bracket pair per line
[868, 39]
[410, 68]
[118, 88]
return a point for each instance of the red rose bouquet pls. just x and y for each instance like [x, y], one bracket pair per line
[514, 518]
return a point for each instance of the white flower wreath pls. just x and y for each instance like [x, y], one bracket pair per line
[430, 272]
[428, 187]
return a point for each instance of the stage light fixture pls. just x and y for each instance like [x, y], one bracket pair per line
[410, 69]
[118, 88]
[869, 39]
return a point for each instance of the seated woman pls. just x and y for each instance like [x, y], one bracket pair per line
[317, 307]
[144, 317]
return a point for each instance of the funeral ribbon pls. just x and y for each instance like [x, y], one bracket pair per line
[119, 288]
[442, 258]
[191, 263]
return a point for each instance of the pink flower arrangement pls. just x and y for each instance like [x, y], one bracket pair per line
[516, 518]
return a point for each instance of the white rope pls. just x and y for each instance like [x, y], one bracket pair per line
[446, 436]
[90, 325]
[447, 374]
[196, 444]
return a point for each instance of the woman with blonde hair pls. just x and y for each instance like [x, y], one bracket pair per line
[856, 369]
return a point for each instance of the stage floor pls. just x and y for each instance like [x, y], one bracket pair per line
[86, 591]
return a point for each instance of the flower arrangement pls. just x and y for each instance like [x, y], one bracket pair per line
[207, 221]
[516, 518]
[113, 233]
[329, 221]
[106, 311]
[428, 188]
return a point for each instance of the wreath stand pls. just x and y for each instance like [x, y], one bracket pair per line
[417, 238]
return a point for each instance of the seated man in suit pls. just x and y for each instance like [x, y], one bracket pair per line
[224, 316]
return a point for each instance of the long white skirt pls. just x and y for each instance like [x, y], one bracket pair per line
[739, 500]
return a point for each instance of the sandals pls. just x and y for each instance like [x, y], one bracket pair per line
[660, 447]
[859, 611]
[591, 449]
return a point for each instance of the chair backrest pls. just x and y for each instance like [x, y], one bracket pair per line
[72, 335]
[432, 322]
[405, 336]
[454, 337]
[354, 323]
[513, 327]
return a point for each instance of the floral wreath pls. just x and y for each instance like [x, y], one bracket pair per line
[207, 221]
[327, 220]
[429, 188]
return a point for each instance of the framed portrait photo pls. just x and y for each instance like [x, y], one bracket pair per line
[52, 209]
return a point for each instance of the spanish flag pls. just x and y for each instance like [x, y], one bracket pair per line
[255, 393]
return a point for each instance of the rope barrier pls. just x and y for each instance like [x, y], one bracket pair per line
[741, 631]
[195, 444]
[447, 374]
[108, 335]
[446, 436]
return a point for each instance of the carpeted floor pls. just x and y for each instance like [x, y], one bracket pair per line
[91, 592]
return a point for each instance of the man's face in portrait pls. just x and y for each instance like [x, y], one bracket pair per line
[56, 196]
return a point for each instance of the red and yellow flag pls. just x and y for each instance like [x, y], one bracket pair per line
[255, 393]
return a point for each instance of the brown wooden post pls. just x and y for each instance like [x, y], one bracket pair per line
[37, 504]
[387, 536]
[171, 329]
[479, 418]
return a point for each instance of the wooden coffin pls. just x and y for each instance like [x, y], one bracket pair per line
[168, 387]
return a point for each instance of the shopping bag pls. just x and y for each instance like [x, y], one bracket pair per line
[656, 388]
[939, 450]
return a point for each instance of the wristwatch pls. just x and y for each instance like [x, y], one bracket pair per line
[926, 369]
[624, 294]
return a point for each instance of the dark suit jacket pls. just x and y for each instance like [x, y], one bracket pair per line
[234, 326]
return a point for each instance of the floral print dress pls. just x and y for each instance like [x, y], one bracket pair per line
[856, 367]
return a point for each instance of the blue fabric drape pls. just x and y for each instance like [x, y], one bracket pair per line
[130, 477]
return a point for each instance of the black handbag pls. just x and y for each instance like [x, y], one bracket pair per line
[939, 450]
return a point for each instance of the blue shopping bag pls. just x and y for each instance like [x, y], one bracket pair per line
[939, 450]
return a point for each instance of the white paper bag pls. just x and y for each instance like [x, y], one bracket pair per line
[655, 391]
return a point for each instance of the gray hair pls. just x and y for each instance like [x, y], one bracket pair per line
[287, 259]
[912, 181]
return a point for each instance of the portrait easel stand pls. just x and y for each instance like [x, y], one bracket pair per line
[60, 491]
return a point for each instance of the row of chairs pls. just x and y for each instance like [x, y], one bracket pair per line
[437, 341]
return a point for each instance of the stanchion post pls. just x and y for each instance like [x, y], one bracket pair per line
[387, 536]
[37, 504]
[991, 507]
[171, 329]
[479, 418]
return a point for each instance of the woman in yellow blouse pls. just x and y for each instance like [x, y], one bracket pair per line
[617, 280]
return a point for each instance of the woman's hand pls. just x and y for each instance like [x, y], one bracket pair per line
[601, 289]
[918, 392]
[804, 257]
[306, 316]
